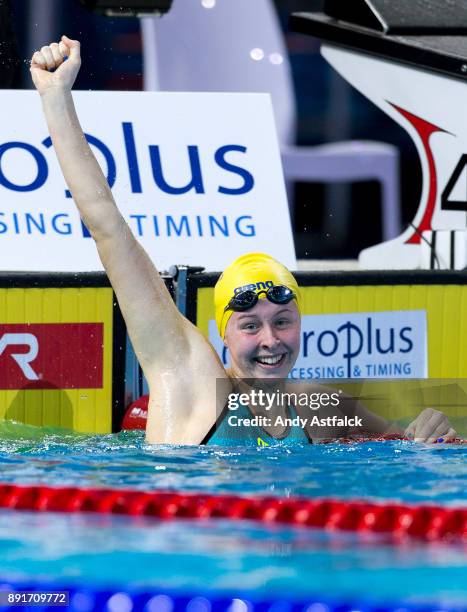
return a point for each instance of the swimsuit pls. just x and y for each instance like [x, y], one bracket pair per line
[224, 433]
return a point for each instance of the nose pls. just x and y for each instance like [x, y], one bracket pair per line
[269, 337]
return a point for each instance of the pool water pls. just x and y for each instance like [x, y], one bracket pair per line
[222, 555]
[236, 557]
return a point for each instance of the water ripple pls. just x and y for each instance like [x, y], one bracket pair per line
[396, 470]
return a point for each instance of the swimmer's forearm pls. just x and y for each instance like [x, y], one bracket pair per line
[393, 428]
[80, 168]
[372, 423]
[150, 314]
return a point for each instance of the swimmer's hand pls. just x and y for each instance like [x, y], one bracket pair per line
[430, 426]
[49, 70]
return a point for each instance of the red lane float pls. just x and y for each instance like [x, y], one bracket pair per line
[431, 523]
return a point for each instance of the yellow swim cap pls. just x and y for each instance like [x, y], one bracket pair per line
[254, 271]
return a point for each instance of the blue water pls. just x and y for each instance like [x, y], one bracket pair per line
[403, 471]
[237, 557]
[222, 555]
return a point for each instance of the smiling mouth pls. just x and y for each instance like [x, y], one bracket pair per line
[271, 361]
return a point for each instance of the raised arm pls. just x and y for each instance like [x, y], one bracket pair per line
[180, 365]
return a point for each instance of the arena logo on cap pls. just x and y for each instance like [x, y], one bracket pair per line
[254, 287]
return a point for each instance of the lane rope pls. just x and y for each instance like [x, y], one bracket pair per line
[427, 522]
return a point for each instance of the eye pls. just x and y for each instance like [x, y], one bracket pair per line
[282, 322]
[249, 326]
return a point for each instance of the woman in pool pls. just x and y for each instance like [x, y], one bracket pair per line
[257, 305]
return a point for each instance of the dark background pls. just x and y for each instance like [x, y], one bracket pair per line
[328, 110]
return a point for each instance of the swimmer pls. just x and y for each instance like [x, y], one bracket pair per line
[257, 303]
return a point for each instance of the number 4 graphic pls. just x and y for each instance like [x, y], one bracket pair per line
[456, 187]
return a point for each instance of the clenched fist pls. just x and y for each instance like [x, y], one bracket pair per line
[49, 70]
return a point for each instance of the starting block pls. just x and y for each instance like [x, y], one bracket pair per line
[410, 59]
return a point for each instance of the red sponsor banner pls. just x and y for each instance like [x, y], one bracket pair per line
[51, 355]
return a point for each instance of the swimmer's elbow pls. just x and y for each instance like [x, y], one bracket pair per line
[103, 220]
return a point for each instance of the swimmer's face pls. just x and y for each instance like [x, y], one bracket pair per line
[264, 341]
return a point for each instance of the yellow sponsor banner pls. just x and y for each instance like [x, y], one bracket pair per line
[443, 303]
[56, 355]
[445, 306]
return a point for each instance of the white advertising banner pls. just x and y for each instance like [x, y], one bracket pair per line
[390, 344]
[197, 176]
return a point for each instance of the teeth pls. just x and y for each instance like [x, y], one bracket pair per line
[270, 360]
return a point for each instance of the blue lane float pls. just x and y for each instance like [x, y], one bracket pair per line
[89, 599]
